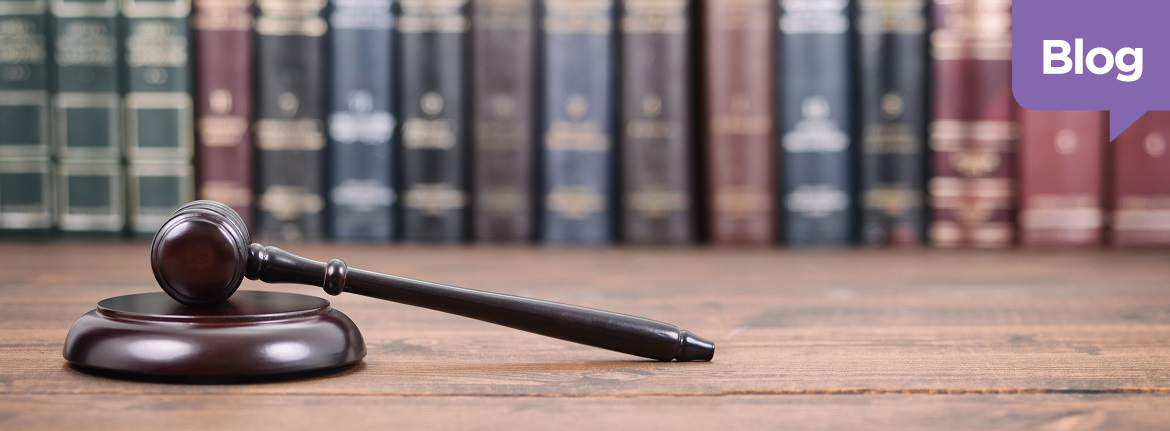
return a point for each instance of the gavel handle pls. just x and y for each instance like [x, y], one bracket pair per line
[607, 330]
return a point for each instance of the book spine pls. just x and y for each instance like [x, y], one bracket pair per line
[817, 110]
[973, 131]
[87, 118]
[25, 167]
[433, 37]
[503, 119]
[158, 113]
[738, 42]
[577, 127]
[1141, 183]
[290, 121]
[655, 132]
[893, 109]
[223, 92]
[362, 120]
[1062, 177]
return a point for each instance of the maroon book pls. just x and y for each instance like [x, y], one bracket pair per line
[973, 131]
[1141, 183]
[738, 69]
[223, 102]
[1062, 178]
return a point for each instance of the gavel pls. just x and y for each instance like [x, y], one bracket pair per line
[204, 251]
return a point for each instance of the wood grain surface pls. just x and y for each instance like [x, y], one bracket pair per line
[905, 339]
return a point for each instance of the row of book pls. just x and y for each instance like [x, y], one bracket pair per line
[564, 121]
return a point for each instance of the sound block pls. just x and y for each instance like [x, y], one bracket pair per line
[252, 334]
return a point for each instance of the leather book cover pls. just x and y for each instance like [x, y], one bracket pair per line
[738, 68]
[433, 36]
[503, 129]
[1062, 177]
[816, 107]
[1141, 183]
[655, 125]
[159, 134]
[892, 87]
[973, 130]
[87, 117]
[362, 121]
[25, 167]
[290, 126]
[224, 67]
[578, 122]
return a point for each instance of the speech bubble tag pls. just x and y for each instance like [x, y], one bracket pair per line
[1092, 55]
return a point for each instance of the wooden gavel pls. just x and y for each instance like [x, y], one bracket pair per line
[204, 251]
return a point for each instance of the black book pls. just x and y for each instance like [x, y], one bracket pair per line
[433, 37]
[503, 122]
[290, 120]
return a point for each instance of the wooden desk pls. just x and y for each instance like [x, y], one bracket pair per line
[869, 339]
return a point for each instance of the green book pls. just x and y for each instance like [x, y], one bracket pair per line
[25, 179]
[87, 117]
[158, 110]
[90, 196]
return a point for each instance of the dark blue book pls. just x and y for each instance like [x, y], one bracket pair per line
[892, 116]
[290, 120]
[578, 121]
[435, 198]
[361, 120]
[815, 143]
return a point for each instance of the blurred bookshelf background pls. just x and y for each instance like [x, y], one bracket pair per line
[569, 122]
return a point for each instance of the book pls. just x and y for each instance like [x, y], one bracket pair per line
[25, 167]
[503, 129]
[433, 37]
[738, 82]
[892, 112]
[973, 129]
[1140, 198]
[1062, 177]
[577, 128]
[159, 134]
[224, 61]
[87, 117]
[362, 120]
[816, 105]
[290, 119]
[655, 121]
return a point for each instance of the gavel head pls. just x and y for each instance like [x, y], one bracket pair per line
[200, 254]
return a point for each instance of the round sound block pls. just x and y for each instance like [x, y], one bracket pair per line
[252, 334]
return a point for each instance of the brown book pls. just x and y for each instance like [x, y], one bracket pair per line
[1141, 183]
[223, 92]
[1061, 177]
[655, 123]
[503, 129]
[738, 66]
[974, 131]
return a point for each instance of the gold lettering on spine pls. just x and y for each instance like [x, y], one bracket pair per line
[655, 16]
[85, 44]
[299, 134]
[739, 201]
[575, 203]
[227, 192]
[287, 202]
[737, 15]
[435, 199]
[441, 16]
[578, 16]
[291, 17]
[740, 120]
[892, 16]
[515, 15]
